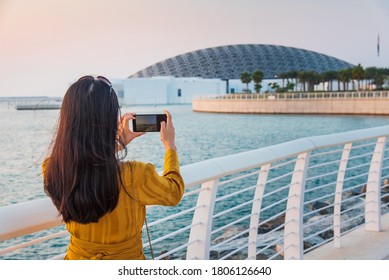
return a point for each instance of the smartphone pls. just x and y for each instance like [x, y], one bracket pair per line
[148, 122]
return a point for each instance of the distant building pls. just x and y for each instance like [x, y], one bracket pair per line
[165, 90]
[217, 70]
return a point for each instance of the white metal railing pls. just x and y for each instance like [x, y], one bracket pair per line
[278, 202]
[300, 95]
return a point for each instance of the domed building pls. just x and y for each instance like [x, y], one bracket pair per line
[217, 71]
[229, 62]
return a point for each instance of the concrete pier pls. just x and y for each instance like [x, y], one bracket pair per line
[367, 103]
[38, 107]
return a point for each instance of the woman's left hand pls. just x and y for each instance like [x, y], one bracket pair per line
[125, 134]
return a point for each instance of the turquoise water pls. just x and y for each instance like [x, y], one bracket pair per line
[26, 135]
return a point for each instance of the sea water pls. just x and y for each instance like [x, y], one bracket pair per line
[26, 135]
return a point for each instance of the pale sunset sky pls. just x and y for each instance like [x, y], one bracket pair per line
[47, 44]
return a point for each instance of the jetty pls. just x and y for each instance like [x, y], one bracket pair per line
[31, 102]
[38, 107]
[320, 197]
[340, 103]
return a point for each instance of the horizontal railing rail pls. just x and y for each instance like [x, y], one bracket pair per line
[300, 95]
[277, 202]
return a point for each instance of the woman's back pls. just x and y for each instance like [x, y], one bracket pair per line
[102, 200]
[118, 234]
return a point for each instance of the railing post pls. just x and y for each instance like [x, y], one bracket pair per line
[200, 234]
[293, 232]
[373, 188]
[338, 192]
[256, 211]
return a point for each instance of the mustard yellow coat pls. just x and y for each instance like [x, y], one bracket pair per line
[118, 234]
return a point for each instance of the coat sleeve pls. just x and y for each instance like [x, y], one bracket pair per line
[167, 189]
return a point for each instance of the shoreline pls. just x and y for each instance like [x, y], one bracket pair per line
[300, 103]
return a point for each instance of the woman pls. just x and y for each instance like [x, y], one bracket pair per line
[101, 199]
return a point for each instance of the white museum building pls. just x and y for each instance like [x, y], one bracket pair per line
[165, 90]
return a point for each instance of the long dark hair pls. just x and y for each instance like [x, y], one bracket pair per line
[82, 173]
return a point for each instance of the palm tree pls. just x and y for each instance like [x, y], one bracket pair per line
[313, 79]
[329, 77]
[345, 76]
[380, 77]
[303, 77]
[284, 76]
[257, 78]
[289, 75]
[370, 73]
[245, 77]
[294, 75]
[358, 74]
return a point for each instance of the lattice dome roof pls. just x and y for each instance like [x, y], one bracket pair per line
[229, 62]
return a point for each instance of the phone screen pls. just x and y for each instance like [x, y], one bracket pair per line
[148, 122]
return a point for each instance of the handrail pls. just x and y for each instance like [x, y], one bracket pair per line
[27, 217]
[210, 169]
[35, 215]
[299, 95]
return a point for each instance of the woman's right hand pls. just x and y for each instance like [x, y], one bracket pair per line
[125, 134]
[167, 133]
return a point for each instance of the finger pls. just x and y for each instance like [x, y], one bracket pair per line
[163, 128]
[130, 116]
[126, 119]
[168, 117]
[163, 125]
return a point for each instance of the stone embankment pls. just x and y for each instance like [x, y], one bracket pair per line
[355, 103]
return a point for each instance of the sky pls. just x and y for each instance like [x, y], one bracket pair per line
[47, 44]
